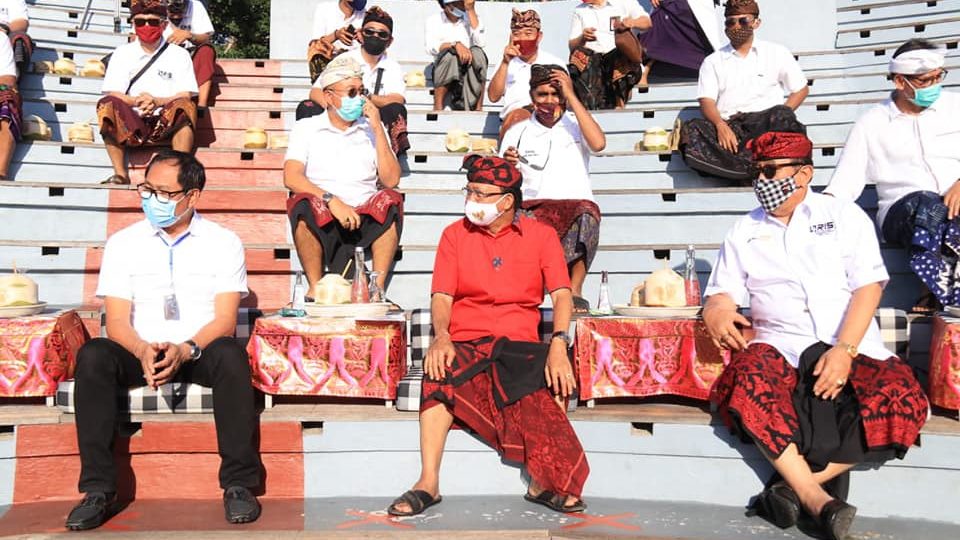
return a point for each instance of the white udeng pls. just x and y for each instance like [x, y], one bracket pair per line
[18, 290]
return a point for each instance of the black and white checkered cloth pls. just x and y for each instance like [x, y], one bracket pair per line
[894, 330]
[170, 398]
[421, 334]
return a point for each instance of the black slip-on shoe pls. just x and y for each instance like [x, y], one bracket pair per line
[781, 505]
[240, 505]
[835, 519]
[95, 508]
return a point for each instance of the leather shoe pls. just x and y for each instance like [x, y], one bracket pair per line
[781, 505]
[95, 508]
[836, 517]
[239, 505]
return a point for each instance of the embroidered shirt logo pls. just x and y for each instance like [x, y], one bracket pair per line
[822, 228]
[165, 75]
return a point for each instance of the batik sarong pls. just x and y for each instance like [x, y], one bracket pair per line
[702, 151]
[510, 408]
[878, 415]
[11, 110]
[465, 81]
[577, 223]
[603, 80]
[676, 37]
[377, 214]
[121, 123]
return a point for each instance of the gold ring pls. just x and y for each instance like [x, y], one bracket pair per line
[570, 376]
[841, 382]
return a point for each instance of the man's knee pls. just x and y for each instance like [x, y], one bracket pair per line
[95, 359]
[232, 360]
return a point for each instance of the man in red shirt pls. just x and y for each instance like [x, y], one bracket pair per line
[486, 368]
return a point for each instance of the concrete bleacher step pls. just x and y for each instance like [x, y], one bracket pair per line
[941, 26]
[60, 36]
[859, 13]
[96, 18]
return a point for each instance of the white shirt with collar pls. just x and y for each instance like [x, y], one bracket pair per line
[7, 65]
[800, 277]
[601, 18]
[392, 81]
[341, 162]
[516, 89]
[170, 75]
[439, 30]
[195, 20]
[752, 83]
[207, 261]
[558, 159]
[13, 10]
[328, 18]
[900, 153]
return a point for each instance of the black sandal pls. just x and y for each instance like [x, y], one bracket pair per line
[581, 305]
[116, 180]
[555, 502]
[418, 500]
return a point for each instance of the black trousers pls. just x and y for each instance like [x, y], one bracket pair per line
[104, 368]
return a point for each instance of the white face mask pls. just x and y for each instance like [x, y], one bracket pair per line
[482, 214]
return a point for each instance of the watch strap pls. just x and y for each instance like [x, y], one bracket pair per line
[562, 334]
[195, 350]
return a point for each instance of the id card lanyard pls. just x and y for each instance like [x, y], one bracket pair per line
[171, 309]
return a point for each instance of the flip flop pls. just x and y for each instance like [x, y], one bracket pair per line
[418, 500]
[555, 502]
[927, 304]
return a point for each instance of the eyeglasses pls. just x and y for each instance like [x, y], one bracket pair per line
[741, 21]
[370, 32]
[350, 92]
[163, 196]
[770, 170]
[926, 81]
[149, 22]
[477, 194]
[535, 153]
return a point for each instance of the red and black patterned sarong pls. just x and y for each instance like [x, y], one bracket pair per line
[757, 395]
[377, 215]
[121, 123]
[533, 430]
[11, 110]
[577, 223]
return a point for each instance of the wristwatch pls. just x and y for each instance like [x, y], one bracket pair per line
[848, 348]
[561, 334]
[195, 350]
[326, 197]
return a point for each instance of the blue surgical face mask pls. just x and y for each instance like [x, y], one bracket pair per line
[160, 214]
[357, 5]
[351, 108]
[458, 13]
[925, 97]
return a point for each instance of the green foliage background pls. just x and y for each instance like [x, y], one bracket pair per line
[245, 24]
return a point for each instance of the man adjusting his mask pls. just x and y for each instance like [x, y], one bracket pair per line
[552, 151]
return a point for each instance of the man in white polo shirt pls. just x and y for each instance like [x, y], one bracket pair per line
[909, 147]
[382, 79]
[552, 151]
[149, 86]
[809, 381]
[191, 28]
[11, 113]
[335, 27]
[15, 21]
[454, 38]
[342, 171]
[171, 285]
[741, 90]
[511, 81]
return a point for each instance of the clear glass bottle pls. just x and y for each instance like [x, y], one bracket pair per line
[376, 293]
[603, 303]
[359, 290]
[299, 292]
[691, 283]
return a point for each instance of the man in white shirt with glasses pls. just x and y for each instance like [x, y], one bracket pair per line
[552, 151]
[909, 147]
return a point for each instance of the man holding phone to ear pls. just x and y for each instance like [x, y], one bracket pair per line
[511, 82]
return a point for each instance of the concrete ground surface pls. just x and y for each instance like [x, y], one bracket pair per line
[463, 518]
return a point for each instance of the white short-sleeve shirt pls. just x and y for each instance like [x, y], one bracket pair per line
[13, 10]
[137, 267]
[601, 18]
[439, 30]
[328, 18]
[557, 159]
[391, 82]
[341, 162]
[800, 277]
[516, 92]
[195, 20]
[7, 65]
[752, 83]
[170, 75]
[900, 153]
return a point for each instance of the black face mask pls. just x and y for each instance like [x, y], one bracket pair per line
[374, 45]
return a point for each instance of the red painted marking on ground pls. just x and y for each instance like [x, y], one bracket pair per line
[378, 517]
[587, 520]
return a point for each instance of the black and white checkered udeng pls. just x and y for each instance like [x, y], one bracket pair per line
[176, 397]
[772, 193]
[421, 334]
